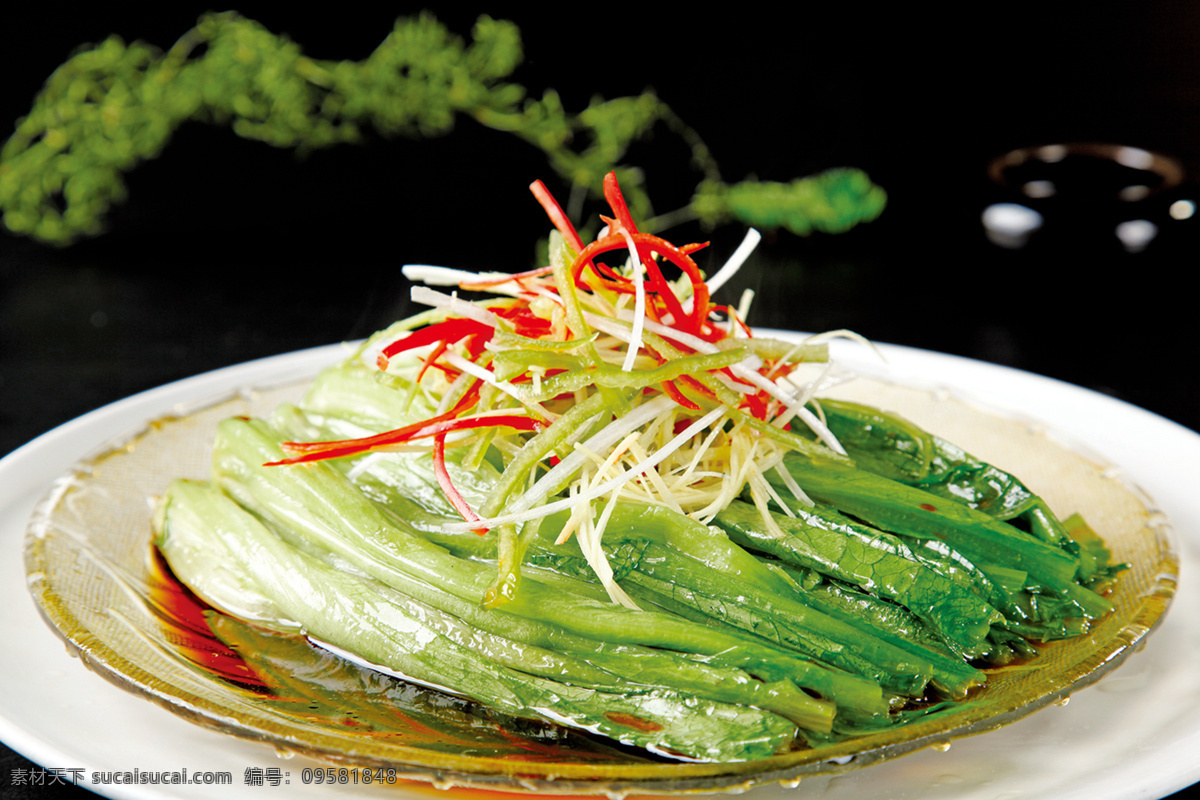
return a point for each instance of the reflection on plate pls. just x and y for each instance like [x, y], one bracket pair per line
[94, 577]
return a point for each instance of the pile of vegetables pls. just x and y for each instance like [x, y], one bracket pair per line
[595, 497]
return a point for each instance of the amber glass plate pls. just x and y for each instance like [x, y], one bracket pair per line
[98, 582]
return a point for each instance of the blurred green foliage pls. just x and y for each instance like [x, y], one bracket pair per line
[114, 105]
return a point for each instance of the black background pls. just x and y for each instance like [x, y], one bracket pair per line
[229, 250]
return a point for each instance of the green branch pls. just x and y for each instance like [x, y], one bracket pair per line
[112, 106]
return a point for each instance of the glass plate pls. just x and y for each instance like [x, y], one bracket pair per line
[95, 578]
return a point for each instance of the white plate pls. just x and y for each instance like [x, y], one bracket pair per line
[1136, 734]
